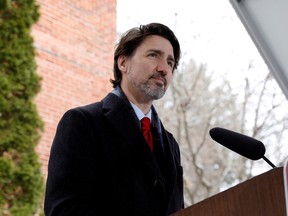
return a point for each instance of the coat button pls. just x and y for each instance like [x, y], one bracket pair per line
[156, 182]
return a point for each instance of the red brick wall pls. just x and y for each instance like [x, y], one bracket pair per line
[74, 42]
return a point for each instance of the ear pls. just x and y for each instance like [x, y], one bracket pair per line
[122, 63]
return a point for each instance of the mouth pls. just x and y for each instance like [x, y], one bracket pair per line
[160, 81]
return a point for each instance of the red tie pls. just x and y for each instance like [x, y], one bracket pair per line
[145, 126]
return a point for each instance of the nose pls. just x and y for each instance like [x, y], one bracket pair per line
[162, 66]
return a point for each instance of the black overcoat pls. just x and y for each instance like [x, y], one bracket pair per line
[100, 164]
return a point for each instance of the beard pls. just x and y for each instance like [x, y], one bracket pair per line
[154, 92]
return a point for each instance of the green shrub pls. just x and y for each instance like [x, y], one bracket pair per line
[21, 181]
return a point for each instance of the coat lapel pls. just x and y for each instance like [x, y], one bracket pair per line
[170, 163]
[121, 114]
[165, 145]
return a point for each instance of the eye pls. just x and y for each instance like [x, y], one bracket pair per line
[171, 64]
[153, 54]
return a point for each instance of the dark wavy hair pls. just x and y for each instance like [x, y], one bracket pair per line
[134, 37]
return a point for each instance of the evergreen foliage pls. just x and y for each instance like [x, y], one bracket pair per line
[21, 181]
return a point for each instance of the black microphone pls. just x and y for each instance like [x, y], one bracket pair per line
[242, 144]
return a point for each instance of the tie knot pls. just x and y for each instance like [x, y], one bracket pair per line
[145, 124]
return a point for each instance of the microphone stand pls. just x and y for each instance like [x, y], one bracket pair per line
[269, 162]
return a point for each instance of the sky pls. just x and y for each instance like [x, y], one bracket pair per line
[209, 32]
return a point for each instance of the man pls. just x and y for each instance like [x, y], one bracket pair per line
[100, 162]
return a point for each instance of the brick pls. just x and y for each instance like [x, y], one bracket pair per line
[74, 42]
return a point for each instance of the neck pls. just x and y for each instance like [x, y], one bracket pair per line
[139, 100]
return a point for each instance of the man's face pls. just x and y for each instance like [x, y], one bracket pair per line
[148, 73]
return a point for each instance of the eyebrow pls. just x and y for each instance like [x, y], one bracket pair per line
[170, 57]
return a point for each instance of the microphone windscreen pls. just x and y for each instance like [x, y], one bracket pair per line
[242, 144]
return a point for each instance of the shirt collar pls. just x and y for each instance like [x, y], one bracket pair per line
[139, 112]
